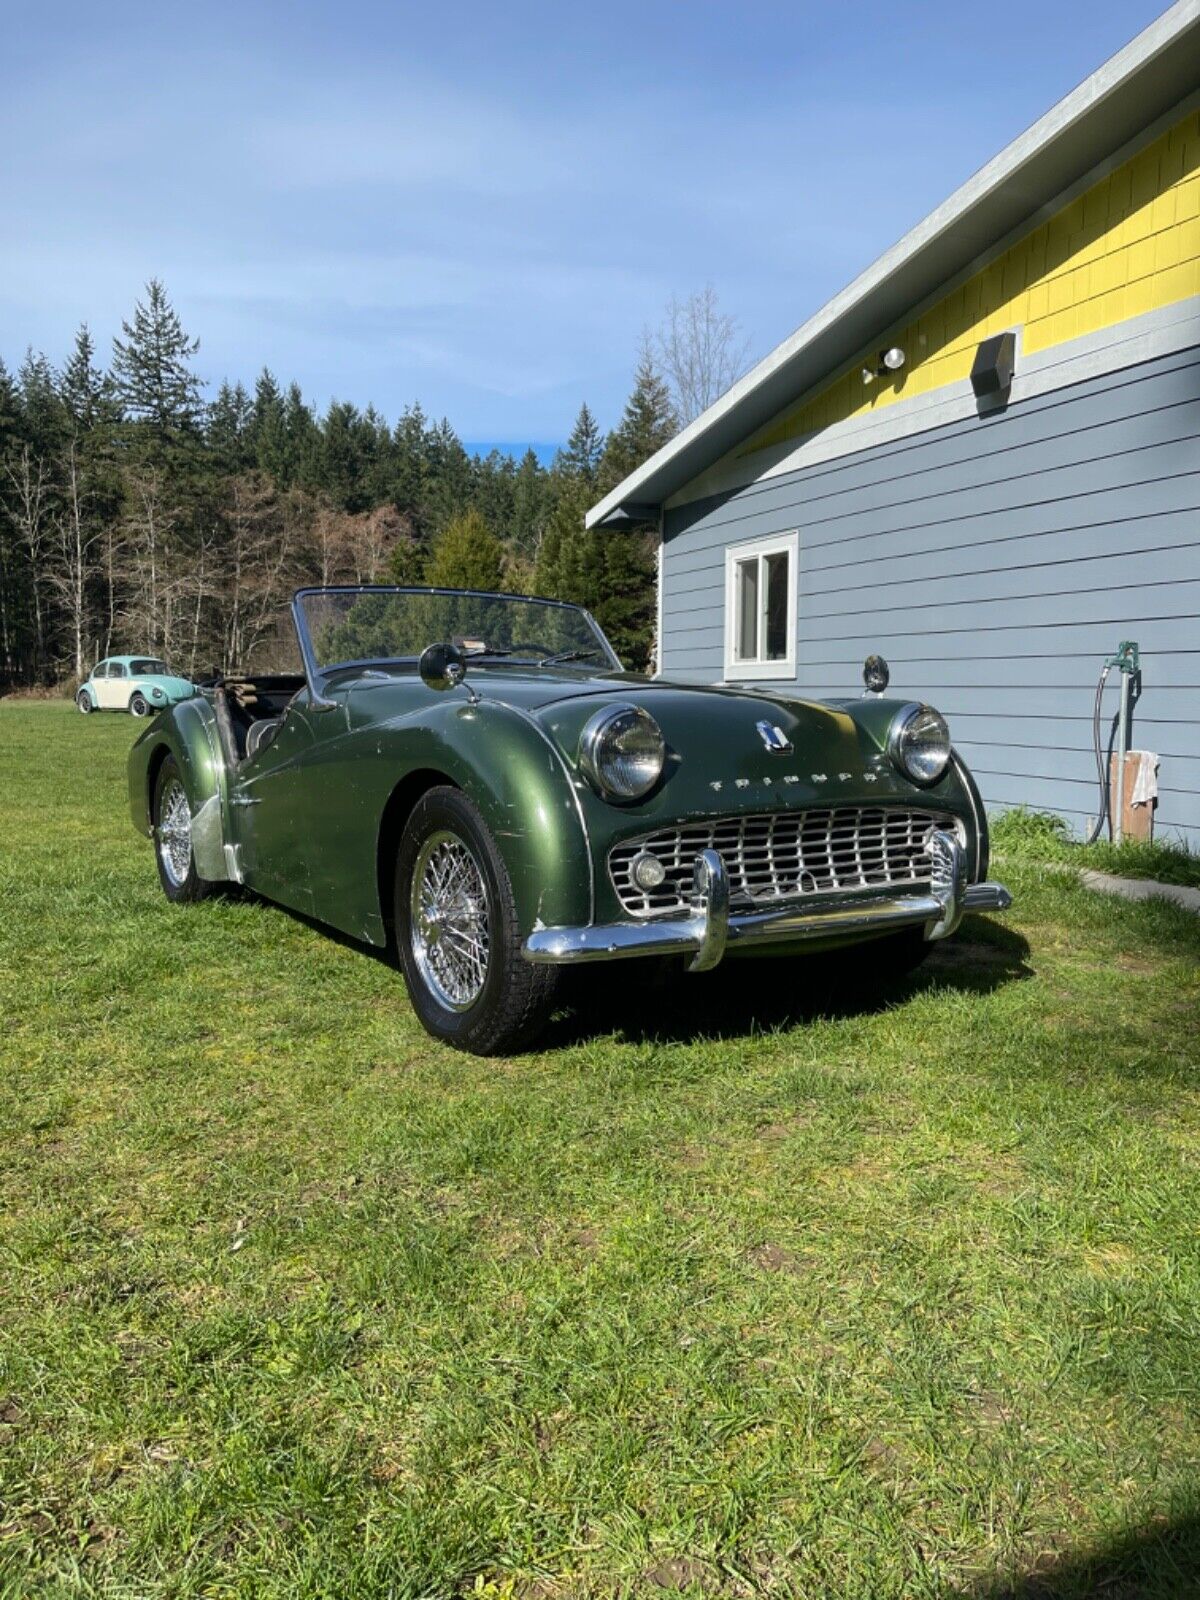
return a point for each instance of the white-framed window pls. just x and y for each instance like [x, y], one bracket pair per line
[760, 608]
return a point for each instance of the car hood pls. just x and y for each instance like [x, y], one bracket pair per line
[719, 759]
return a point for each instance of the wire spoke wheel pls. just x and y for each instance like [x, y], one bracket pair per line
[175, 833]
[449, 920]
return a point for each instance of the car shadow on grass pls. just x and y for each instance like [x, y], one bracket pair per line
[661, 1001]
[1159, 1560]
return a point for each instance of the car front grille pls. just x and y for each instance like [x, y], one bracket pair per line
[781, 855]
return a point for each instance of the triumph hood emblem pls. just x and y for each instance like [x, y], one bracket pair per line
[776, 741]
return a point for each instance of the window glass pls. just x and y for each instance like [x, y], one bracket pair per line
[101, 671]
[747, 610]
[375, 623]
[775, 606]
[116, 670]
[760, 617]
[149, 669]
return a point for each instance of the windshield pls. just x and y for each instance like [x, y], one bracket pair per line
[397, 624]
[149, 669]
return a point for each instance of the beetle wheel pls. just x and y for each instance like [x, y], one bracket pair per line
[138, 706]
[84, 701]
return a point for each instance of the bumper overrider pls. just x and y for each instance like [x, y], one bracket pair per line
[711, 929]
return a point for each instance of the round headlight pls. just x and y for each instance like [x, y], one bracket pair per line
[157, 693]
[919, 743]
[621, 750]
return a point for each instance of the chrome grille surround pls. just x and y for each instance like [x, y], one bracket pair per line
[782, 855]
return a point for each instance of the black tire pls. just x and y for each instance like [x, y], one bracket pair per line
[84, 701]
[514, 998]
[178, 885]
[139, 706]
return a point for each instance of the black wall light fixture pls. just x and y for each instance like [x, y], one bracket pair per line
[995, 363]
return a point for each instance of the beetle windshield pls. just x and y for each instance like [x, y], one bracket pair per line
[149, 669]
[374, 624]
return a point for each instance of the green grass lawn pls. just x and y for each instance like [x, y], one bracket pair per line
[1041, 836]
[743, 1286]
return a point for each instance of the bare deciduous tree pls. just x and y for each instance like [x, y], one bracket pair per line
[262, 558]
[28, 513]
[154, 589]
[701, 350]
[70, 568]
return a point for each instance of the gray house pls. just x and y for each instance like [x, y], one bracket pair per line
[981, 459]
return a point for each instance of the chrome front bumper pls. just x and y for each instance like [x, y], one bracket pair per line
[706, 934]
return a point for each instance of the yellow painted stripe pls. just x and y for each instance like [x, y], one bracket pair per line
[1129, 245]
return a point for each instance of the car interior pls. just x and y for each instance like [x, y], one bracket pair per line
[250, 710]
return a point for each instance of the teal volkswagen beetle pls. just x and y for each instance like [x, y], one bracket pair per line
[137, 684]
[472, 780]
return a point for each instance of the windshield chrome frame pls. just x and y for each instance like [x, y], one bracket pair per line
[315, 674]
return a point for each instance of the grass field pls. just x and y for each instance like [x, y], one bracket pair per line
[733, 1288]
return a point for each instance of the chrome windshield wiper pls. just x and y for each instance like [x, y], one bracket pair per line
[569, 655]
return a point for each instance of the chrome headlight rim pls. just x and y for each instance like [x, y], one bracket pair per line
[898, 732]
[591, 751]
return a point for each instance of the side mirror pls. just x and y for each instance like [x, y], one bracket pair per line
[442, 666]
[876, 675]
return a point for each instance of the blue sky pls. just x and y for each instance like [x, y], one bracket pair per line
[481, 206]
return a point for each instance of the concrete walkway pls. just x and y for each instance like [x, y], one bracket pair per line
[1142, 889]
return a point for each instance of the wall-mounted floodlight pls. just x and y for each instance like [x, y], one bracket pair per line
[887, 361]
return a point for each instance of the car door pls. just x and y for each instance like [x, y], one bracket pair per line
[265, 800]
[103, 685]
[118, 686]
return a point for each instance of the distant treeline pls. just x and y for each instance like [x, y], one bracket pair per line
[136, 515]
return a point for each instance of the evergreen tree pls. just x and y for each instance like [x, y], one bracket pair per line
[410, 468]
[230, 419]
[450, 478]
[267, 435]
[493, 490]
[408, 563]
[647, 423]
[151, 367]
[569, 563]
[528, 504]
[10, 412]
[44, 418]
[584, 449]
[301, 439]
[343, 456]
[467, 555]
[84, 388]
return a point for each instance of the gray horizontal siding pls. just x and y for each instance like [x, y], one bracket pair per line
[995, 562]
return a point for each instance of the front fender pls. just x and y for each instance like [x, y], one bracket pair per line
[504, 761]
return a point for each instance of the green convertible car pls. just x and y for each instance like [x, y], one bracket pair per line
[473, 778]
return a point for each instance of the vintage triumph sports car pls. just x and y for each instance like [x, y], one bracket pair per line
[137, 684]
[473, 777]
